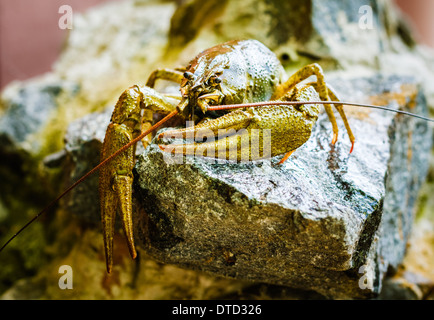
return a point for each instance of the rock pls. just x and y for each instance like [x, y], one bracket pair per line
[311, 223]
[407, 286]
[114, 46]
[339, 34]
[28, 110]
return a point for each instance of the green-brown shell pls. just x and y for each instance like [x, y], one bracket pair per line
[249, 71]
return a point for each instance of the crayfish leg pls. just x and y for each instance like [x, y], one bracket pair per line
[340, 108]
[320, 86]
[165, 74]
[286, 156]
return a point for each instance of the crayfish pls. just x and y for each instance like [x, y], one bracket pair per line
[238, 85]
[235, 72]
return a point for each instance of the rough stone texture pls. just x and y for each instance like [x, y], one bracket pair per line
[310, 223]
[116, 45]
[83, 150]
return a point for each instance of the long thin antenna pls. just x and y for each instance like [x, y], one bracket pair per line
[92, 171]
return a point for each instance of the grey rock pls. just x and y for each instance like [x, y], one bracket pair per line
[349, 34]
[28, 111]
[83, 141]
[311, 223]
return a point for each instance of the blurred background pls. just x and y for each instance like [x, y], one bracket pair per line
[30, 37]
[31, 40]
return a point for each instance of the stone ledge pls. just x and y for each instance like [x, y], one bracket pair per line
[310, 223]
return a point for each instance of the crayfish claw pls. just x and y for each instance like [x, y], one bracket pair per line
[117, 198]
[108, 220]
[123, 188]
[115, 188]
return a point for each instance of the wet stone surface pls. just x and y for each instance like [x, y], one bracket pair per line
[310, 223]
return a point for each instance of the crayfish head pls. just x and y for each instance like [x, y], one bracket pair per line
[198, 93]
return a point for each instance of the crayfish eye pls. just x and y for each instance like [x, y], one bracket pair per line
[213, 80]
[188, 75]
